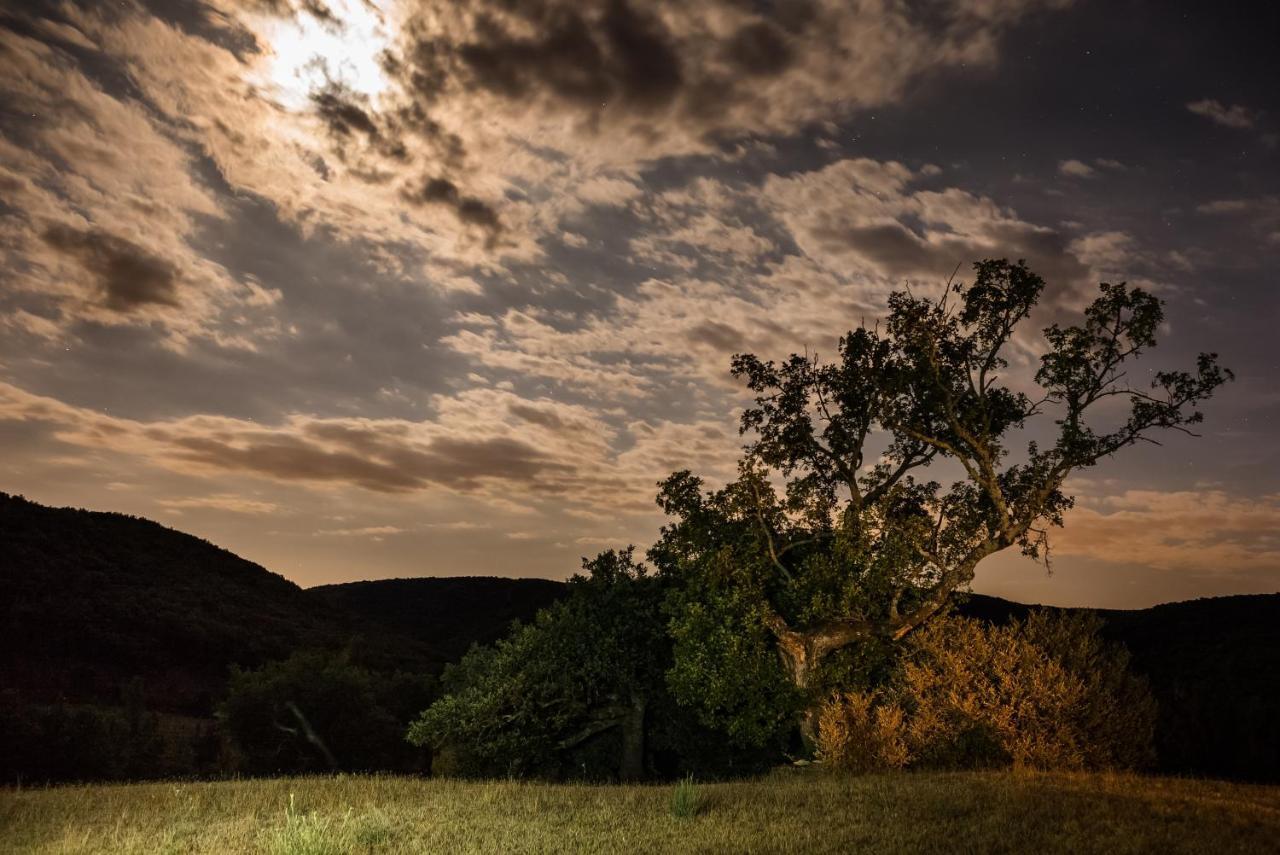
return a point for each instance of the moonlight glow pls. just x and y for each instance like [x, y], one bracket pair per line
[307, 52]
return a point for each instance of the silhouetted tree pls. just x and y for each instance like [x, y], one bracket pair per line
[856, 548]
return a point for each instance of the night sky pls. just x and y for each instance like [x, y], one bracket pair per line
[373, 288]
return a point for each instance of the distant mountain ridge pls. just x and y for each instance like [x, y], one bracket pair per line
[90, 600]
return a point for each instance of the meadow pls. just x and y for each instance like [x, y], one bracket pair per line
[787, 811]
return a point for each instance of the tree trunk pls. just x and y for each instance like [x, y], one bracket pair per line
[632, 766]
[800, 657]
[802, 651]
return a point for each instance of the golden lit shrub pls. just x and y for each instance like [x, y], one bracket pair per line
[856, 733]
[984, 695]
[1047, 693]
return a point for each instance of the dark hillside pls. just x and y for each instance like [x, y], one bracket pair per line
[447, 615]
[1214, 665]
[90, 600]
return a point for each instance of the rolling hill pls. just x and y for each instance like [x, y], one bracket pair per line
[446, 615]
[91, 600]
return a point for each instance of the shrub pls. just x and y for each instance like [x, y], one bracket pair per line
[1046, 693]
[857, 734]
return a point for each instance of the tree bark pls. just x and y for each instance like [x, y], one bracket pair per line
[632, 767]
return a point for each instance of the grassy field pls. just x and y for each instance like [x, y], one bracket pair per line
[787, 812]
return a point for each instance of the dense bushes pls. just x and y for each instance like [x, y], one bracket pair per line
[320, 712]
[1044, 693]
[579, 693]
[46, 742]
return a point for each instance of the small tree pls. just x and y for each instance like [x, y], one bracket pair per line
[587, 667]
[856, 548]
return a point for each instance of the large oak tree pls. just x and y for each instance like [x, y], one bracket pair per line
[832, 537]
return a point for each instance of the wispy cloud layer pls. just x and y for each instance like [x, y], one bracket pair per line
[490, 259]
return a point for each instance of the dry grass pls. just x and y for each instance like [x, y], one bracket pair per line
[786, 812]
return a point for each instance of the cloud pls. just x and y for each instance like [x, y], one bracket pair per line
[102, 207]
[222, 502]
[373, 531]
[860, 216]
[1203, 531]
[1261, 212]
[659, 77]
[490, 445]
[1235, 116]
[468, 209]
[1076, 169]
[790, 264]
[495, 121]
[528, 111]
[128, 275]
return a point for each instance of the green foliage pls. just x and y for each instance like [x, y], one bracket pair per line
[582, 692]
[1047, 693]
[587, 667]
[725, 668]
[318, 711]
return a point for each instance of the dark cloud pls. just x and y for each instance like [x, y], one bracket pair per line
[468, 209]
[645, 65]
[321, 12]
[891, 247]
[342, 115]
[366, 457]
[128, 277]
[622, 54]
[760, 49]
[897, 251]
[537, 415]
[593, 56]
[720, 336]
[346, 116]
